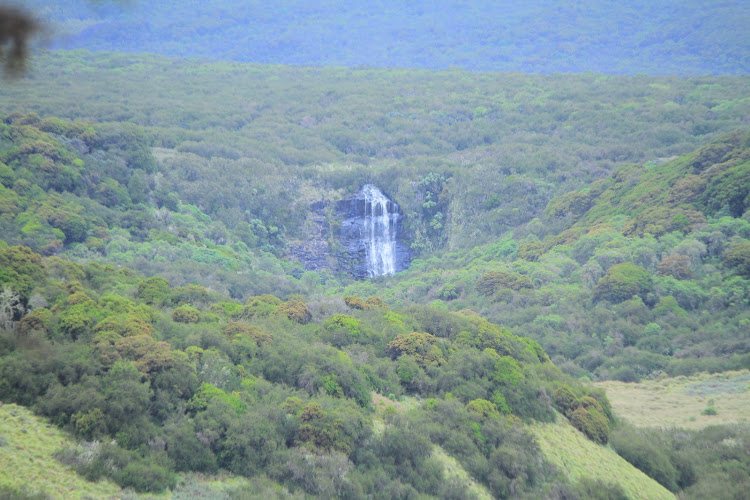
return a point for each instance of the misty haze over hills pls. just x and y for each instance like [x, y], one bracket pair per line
[680, 37]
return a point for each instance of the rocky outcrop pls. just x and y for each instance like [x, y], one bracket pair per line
[370, 235]
[367, 236]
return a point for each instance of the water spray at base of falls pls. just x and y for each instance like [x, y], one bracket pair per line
[379, 232]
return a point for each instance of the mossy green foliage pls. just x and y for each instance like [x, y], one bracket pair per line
[241, 329]
[341, 330]
[590, 415]
[89, 192]
[483, 409]
[19, 268]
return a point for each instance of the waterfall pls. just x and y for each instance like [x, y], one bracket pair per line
[379, 232]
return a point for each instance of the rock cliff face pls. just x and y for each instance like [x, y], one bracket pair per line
[368, 240]
[370, 235]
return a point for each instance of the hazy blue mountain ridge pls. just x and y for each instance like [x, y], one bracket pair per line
[658, 38]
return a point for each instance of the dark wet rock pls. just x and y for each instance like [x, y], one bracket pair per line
[368, 238]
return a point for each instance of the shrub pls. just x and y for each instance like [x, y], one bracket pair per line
[677, 266]
[126, 468]
[376, 302]
[711, 410]
[483, 409]
[143, 476]
[295, 310]
[596, 489]
[8, 492]
[531, 250]
[186, 314]
[492, 281]
[422, 346]
[260, 307]
[153, 290]
[37, 320]
[737, 256]
[592, 423]
[564, 399]
[622, 281]
[341, 330]
[354, 302]
[234, 328]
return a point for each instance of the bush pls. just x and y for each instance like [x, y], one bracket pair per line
[564, 399]
[127, 468]
[186, 314]
[7, 492]
[234, 328]
[422, 346]
[622, 282]
[354, 302]
[492, 281]
[592, 423]
[376, 302]
[596, 489]
[295, 310]
[483, 409]
[153, 290]
[341, 330]
[737, 256]
[711, 410]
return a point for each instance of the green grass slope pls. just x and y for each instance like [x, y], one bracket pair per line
[27, 464]
[580, 458]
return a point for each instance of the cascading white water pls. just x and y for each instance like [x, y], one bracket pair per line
[379, 232]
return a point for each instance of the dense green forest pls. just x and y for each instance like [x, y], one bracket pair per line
[492, 149]
[679, 37]
[642, 272]
[565, 228]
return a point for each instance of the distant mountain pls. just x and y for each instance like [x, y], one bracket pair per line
[681, 37]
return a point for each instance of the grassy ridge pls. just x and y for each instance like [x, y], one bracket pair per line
[580, 458]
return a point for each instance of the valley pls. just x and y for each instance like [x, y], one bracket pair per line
[225, 278]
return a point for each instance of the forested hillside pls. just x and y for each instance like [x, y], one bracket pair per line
[488, 150]
[682, 37]
[185, 379]
[640, 273]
